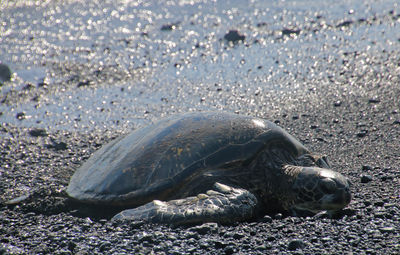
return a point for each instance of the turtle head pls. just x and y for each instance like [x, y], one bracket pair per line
[320, 189]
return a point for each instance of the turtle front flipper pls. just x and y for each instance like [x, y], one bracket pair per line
[224, 205]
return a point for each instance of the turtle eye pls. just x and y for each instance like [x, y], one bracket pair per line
[328, 186]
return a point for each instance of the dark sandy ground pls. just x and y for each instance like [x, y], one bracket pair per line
[352, 114]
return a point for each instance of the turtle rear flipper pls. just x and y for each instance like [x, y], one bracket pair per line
[224, 205]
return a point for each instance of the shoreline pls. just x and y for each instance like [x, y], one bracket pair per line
[347, 108]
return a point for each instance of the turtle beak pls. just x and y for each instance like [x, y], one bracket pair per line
[339, 199]
[342, 197]
[345, 194]
[345, 197]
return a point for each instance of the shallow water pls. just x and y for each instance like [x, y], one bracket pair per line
[161, 57]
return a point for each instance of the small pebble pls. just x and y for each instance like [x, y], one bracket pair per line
[267, 219]
[270, 238]
[345, 23]
[362, 133]
[229, 250]
[169, 27]
[374, 100]
[220, 244]
[289, 31]
[71, 245]
[37, 132]
[366, 178]
[367, 167]
[105, 246]
[148, 238]
[5, 73]
[28, 86]
[380, 215]
[20, 116]
[387, 229]
[337, 103]
[326, 239]
[296, 244]
[238, 236]
[234, 36]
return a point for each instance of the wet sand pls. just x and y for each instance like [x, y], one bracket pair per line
[342, 100]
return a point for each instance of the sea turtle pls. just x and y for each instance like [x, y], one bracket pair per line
[212, 166]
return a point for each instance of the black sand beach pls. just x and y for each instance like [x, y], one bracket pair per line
[334, 83]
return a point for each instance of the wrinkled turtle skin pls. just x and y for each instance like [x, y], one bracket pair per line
[213, 166]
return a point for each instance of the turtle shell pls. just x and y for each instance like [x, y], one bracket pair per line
[153, 161]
